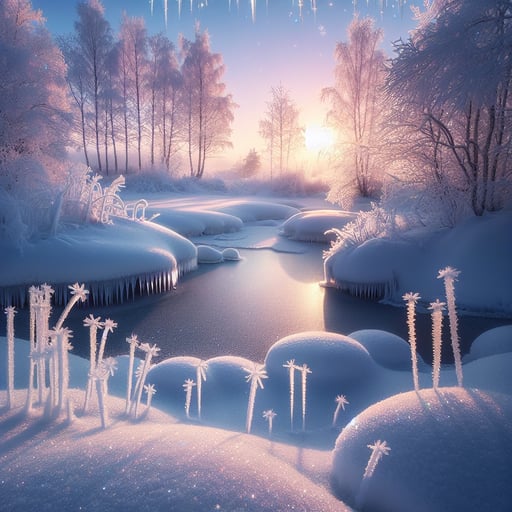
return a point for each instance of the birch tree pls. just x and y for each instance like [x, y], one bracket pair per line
[355, 109]
[209, 110]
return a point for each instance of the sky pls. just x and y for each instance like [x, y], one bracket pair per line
[282, 44]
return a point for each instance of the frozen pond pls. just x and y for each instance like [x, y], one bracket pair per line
[242, 308]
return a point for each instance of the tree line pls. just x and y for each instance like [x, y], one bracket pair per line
[135, 91]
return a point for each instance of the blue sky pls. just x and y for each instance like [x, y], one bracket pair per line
[278, 47]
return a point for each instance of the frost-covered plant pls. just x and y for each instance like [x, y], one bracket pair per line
[108, 326]
[375, 223]
[291, 374]
[94, 323]
[449, 275]
[187, 386]
[255, 374]
[60, 338]
[10, 312]
[133, 341]
[151, 351]
[304, 374]
[437, 309]
[101, 375]
[269, 415]
[378, 448]
[412, 299]
[341, 401]
[150, 390]
[200, 376]
[78, 293]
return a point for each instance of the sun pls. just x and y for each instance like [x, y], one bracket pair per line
[318, 138]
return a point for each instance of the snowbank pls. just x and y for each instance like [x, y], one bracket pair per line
[480, 248]
[449, 450]
[114, 261]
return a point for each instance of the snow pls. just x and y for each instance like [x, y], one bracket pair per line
[311, 226]
[441, 442]
[480, 248]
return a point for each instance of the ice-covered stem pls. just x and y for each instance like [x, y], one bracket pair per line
[94, 323]
[200, 376]
[78, 293]
[269, 416]
[304, 371]
[150, 351]
[187, 386]
[449, 275]
[133, 341]
[150, 390]
[10, 312]
[412, 299]
[379, 448]
[437, 328]
[108, 326]
[255, 374]
[42, 314]
[101, 375]
[62, 348]
[291, 374]
[341, 401]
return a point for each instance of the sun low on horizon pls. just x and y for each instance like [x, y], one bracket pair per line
[319, 138]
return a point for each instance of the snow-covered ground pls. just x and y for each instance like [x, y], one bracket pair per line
[450, 448]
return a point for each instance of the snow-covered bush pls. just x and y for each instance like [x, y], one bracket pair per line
[375, 223]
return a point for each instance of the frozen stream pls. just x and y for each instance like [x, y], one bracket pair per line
[242, 308]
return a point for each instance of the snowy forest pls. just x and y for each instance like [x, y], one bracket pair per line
[262, 337]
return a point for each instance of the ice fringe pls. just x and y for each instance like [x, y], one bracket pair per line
[372, 291]
[110, 291]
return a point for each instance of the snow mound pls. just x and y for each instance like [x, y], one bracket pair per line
[249, 210]
[311, 226]
[338, 364]
[491, 342]
[188, 222]
[387, 349]
[153, 464]
[114, 261]
[231, 254]
[450, 450]
[207, 254]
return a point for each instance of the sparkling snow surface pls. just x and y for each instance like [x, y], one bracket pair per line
[449, 450]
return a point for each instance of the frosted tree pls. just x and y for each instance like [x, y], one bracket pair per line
[411, 299]
[281, 129]
[10, 312]
[437, 309]
[341, 401]
[187, 386]
[89, 48]
[449, 275]
[459, 113]
[208, 110]
[304, 377]
[255, 375]
[133, 341]
[290, 365]
[356, 110]
[200, 377]
[34, 120]
[269, 415]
